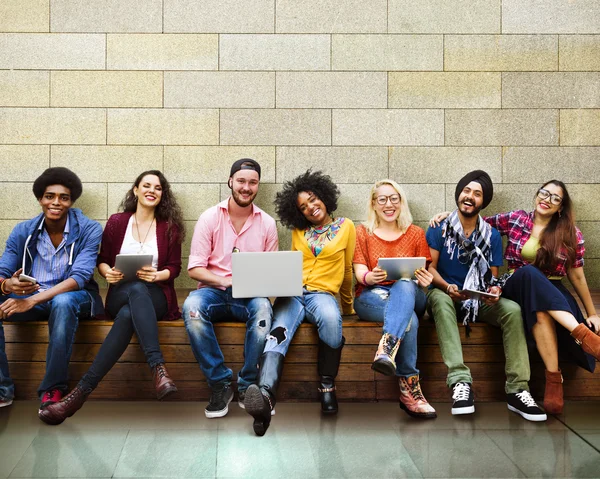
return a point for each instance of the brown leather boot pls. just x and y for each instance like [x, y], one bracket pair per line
[588, 341]
[56, 413]
[163, 384]
[553, 396]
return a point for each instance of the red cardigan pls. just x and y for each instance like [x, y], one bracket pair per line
[169, 255]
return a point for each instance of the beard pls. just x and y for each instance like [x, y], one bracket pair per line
[237, 197]
[469, 214]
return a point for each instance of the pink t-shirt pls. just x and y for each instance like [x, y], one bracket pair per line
[215, 238]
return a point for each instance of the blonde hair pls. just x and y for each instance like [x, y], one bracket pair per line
[404, 218]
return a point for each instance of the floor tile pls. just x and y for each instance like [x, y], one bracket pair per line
[170, 452]
[548, 453]
[141, 415]
[457, 454]
[281, 452]
[581, 414]
[341, 453]
[67, 452]
[13, 444]
[592, 436]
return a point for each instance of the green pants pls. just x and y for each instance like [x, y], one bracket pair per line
[506, 314]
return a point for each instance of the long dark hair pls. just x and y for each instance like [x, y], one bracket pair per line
[167, 209]
[559, 238]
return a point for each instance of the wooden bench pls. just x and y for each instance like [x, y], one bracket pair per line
[131, 379]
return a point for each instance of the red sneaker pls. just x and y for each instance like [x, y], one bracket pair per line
[50, 397]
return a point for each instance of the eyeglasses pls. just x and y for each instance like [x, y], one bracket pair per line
[545, 194]
[382, 200]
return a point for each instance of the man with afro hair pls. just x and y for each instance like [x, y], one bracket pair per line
[46, 273]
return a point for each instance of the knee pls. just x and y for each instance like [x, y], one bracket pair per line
[277, 337]
[65, 303]
[260, 314]
[511, 311]
[137, 288]
[404, 287]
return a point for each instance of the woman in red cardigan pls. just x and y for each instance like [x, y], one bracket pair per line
[151, 223]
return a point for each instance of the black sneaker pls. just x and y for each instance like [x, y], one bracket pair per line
[218, 404]
[464, 401]
[522, 403]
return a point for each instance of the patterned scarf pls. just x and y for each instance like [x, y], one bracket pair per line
[475, 251]
[318, 237]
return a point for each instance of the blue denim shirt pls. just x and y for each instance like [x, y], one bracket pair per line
[82, 243]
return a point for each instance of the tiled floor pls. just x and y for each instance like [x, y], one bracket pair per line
[174, 439]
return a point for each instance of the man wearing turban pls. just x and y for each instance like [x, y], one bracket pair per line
[466, 253]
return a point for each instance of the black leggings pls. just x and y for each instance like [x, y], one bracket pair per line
[136, 306]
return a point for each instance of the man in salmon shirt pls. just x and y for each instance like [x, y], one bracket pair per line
[235, 224]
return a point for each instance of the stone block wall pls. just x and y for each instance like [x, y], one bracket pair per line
[419, 91]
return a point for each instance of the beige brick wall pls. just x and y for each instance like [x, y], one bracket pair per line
[420, 91]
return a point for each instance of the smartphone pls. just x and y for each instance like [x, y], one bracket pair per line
[25, 277]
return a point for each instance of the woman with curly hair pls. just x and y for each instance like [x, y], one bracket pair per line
[306, 204]
[151, 223]
[389, 233]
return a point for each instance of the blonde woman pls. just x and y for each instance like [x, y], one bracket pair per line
[389, 233]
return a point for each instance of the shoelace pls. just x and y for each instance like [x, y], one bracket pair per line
[461, 392]
[388, 346]
[161, 370]
[217, 394]
[72, 395]
[415, 390]
[526, 399]
[49, 396]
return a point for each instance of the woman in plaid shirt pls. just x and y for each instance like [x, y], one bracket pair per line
[544, 246]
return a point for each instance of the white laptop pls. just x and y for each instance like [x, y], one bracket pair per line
[265, 275]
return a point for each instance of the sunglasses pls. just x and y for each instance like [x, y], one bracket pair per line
[382, 200]
[545, 194]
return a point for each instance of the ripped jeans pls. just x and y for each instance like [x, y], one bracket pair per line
[206, 306]
[320, 309]
[397, 306]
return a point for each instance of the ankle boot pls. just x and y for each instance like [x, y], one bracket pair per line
[588, 341]
[385, 357]
[328, 366]
[259, 401]
[412, 399]
[553, 396]
[56, 413]
[163, 384]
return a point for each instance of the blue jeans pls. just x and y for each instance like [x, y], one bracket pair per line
[63, 313]
[206, 306]
[398, 307]
[320, 309]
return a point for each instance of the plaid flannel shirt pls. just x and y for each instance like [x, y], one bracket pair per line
[517, 226]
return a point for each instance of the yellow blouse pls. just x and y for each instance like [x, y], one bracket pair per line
[331, 270]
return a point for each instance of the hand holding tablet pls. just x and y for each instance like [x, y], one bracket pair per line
[401, 268]
[129, 264]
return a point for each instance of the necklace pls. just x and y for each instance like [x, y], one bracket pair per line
[137, 226]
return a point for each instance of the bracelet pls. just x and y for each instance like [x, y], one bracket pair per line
[364, 278]
[448, 289]
[2, 287]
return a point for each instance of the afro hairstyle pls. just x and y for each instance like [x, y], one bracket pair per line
[317, 183]
[58, 176]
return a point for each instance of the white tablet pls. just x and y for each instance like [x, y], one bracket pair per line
[129, 264]
[477, 294]
[401, 268]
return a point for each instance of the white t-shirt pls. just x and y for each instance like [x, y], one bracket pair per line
[131, 246]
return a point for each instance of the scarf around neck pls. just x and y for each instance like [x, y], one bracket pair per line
[475, 251]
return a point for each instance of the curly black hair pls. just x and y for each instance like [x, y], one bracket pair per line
[58, 176]
[318, 184]
[167, 210]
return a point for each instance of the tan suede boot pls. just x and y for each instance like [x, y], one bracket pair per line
[553, 396]
[588, 341]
